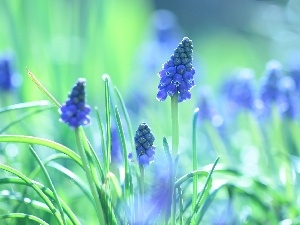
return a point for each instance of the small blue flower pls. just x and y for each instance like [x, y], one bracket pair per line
[270, 91]
[288, 99]
[116, 151]
[145, 149]
[295, 74]
[8, 77]
[177, 74]
[206, 111]
[239, 90]
[75, 112]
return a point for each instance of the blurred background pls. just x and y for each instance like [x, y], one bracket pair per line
[62, 40]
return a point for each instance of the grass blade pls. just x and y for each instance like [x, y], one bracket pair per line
[46, 174]
[22, 117]
[36, 188]
[46, 191]
[44, 142]
[25, 105]
[128, 187]
[76, 179]
[204, 190]
[23, 216]
[43, 89]
[14, 196]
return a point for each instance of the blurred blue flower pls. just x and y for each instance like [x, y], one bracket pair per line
[270, 90]
[116, 151]
[239, 90]
[206, 111]
[165, 26]
[8, 78]
[177, 75]
[279, 91]
[295, 74]
[145, 149]
[75, 112]
[288, 100]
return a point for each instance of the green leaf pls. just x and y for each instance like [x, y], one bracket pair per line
[30, 183]
[49, 183]
[46, 191]
[25, 105]
[23, 216]
[44, 142]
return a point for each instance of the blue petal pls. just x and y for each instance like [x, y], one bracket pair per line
[164, 81]
[162, 73]
[171, 89]
[188, 77]
[144, 160]
[150, 152]
[183, 87]
[183, 96]
[177, 79]
[161, 95]
[181, 69]
[171, 71]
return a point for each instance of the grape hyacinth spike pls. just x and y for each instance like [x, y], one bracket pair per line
[177, 74]
[75, 112]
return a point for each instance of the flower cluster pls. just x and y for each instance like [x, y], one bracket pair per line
[239, 90]
[75, 111]
[270, 88]
[279, 90]
[206, 111]
[145, 149]
[177, 75]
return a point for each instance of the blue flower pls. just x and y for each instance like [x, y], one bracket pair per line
[270, 90]
[239, 90]
[7, 74]
[75, 112]
[206, 112]
[177, 74]
[279, 91]
[145, 149]
[116, 151]
[288, 100]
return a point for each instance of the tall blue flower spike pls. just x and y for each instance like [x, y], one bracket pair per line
[288, 100]
[239, 90]
[177, 74]
[145, 149]
[270, 88]
[75, 112]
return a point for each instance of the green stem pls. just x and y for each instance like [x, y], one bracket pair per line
[43, 89]
[283, 158]
[175, 129]
[89, 177]
[194, 146]
[142, 194]
[175, 144]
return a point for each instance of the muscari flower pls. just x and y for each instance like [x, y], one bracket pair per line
[7, 74]
[239, 90]
[145, 149]
[75, 112]
[270, 88]
[288, 99]
[177, 74]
